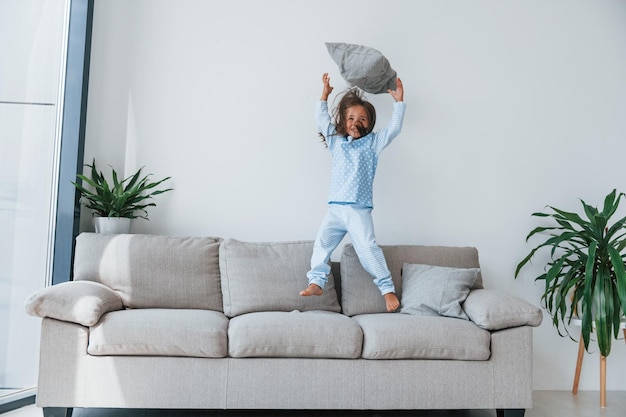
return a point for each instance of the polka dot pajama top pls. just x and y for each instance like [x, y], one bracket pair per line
[355, 161]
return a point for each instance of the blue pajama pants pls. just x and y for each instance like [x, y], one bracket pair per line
[357, 223]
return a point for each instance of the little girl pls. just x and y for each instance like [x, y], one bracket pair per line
[354, 148]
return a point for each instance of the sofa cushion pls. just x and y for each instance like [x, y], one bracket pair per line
[359, 295]
[495, 310]
[295, 334]
[153, 271]
[81, 302]
[429, 290]
[269, 277]
[160, 332]
[403, 336]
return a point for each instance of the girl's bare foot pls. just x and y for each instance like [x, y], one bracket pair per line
[392, 301]
[312, 289]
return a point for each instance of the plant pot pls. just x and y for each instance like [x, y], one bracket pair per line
[111, 225]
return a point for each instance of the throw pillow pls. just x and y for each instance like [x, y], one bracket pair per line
[82, 302]
[363, 67]
[495, 310]
[436, 290]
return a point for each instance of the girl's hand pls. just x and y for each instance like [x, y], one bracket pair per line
[398, 93]
[327, 87]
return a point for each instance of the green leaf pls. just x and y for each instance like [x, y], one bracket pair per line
[620, 275]
[571, 217]
[611, 202]
[587, 300]
[619, 224]
[540, 230]
[539, 214]
[603, 299]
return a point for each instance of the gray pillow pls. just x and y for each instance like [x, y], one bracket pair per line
[82, 302]
[363, 67]
[495, 310]
[436, 290]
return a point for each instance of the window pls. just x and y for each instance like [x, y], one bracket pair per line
[38, 110]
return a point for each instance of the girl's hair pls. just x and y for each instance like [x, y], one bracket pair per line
[352, 97]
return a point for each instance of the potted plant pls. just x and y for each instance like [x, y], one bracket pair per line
[118, 201]
[585, 277]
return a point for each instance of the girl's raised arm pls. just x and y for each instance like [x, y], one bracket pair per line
[327, 87]
[398, 93]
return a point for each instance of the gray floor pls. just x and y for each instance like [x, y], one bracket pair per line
[545, 404]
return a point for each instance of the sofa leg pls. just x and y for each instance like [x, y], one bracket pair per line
[57, 412]
[510, 412]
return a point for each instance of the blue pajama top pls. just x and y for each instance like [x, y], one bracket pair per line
[355, 160]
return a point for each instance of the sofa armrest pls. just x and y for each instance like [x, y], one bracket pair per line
[494, 310]
[82, 302]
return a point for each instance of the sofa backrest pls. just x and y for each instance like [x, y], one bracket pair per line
[150, 271]
[359, 295]
[268, 276]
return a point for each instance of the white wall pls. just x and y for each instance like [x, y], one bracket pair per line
[512, 105]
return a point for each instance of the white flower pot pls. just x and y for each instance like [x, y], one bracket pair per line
[112, 225]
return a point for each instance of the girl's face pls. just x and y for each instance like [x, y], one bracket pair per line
[357, 121]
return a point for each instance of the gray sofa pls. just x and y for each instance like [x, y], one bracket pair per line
[209, 323]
